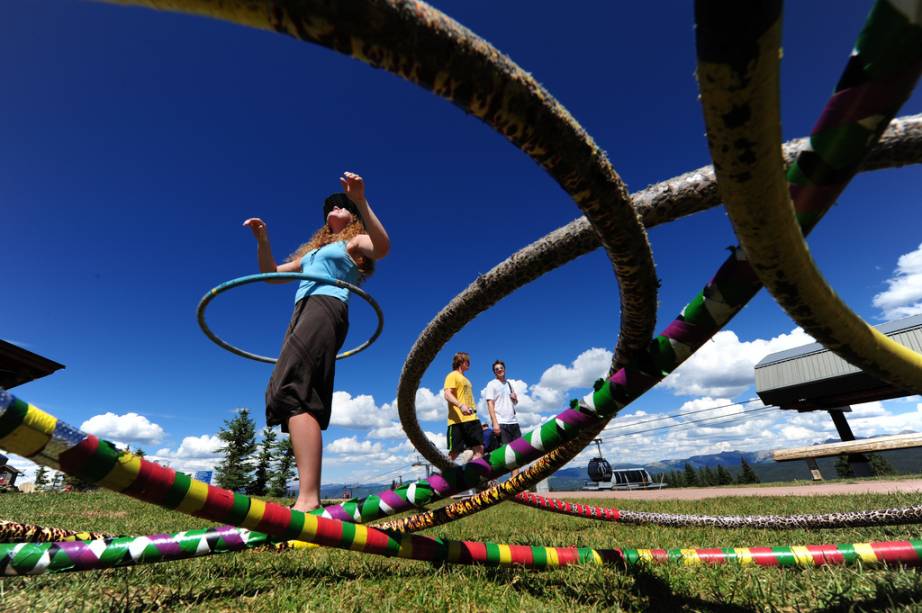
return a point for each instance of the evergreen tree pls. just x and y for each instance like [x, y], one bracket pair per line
[707, 476]
[41, 478]
[57, 481]
[239, 436]
[747, 475]
[880, 466]
[678, 478]
[723, 476]
[691, 477]
[284, 467]
[843, 468]
[263, 461]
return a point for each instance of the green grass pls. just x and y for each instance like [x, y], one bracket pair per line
[316, 579]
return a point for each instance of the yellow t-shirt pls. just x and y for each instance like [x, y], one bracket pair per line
[461, 387]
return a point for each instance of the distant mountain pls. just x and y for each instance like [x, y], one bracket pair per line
[903, 461]
[335, 490]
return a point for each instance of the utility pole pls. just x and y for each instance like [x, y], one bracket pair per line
[425, 465]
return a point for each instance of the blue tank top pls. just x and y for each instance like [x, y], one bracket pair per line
[328, 261]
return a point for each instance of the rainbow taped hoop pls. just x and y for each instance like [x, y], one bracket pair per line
[203, 303]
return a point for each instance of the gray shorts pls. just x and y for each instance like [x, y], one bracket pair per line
[509, 432]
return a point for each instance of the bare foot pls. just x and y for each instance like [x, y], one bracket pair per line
[305, 507]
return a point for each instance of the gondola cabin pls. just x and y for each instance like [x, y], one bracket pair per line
[600, 470]
[634, 478]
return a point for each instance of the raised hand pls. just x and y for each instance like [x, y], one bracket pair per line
[353, 186]
[258, 227]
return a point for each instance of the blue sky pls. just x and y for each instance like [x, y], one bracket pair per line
[136, 142]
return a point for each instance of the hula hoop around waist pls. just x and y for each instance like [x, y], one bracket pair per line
[203, 303]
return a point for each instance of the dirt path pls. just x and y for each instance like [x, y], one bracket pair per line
[808, 489]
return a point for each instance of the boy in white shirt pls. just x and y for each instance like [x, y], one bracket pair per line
[501, 401]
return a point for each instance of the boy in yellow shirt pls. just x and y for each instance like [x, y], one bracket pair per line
[464, 430]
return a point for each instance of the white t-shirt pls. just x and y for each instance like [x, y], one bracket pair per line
[499, 393]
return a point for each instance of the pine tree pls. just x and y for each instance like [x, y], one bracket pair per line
[263, 461]
[284, 468]
[239, 436]
[707, 476]
[691, 477]
[41, 478]
[843, 468]
[723, 476]
[880, 466]
[747, 475]
[678, 478]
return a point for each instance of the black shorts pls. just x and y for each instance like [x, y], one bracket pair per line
[509, 432]
[466, 435]
[302, 381]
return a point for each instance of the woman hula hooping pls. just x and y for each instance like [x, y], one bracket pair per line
[300, 392]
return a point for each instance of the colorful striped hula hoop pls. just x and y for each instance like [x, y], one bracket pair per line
[886, 63]
[267, 276]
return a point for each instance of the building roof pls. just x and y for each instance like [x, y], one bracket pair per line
[890, 328]
[18, 365]
[811, 377]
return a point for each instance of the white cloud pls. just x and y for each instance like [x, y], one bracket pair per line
[395, 430]
[430, 406]
[204, 446]
[796, 433]
[352, 445]
[874, 421]
[364, 460]
[129, 427]
[359, 411]
[724, 365]
[194, 453]
[903, 296]
[550, 393]
[439, 440]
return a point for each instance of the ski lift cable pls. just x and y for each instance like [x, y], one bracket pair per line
[390, 473]
[692, 412]
[693, 421]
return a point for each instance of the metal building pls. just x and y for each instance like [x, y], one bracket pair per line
[812, 378]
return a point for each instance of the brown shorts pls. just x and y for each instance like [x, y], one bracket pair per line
[302, 381]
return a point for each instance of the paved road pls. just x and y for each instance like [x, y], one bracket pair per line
[808, 489]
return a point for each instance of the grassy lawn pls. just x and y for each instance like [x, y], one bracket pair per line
[315, 579]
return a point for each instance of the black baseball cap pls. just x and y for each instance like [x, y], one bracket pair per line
[342, 201]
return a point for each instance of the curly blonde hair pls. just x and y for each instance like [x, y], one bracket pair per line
[324, 236]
